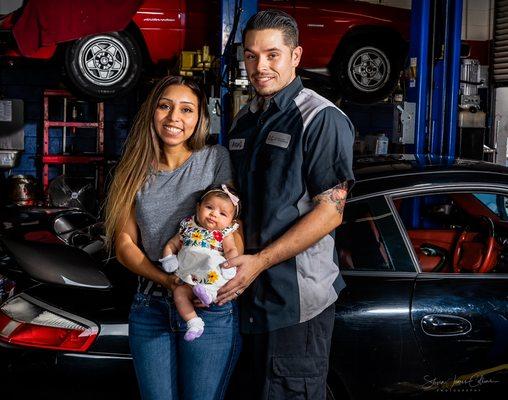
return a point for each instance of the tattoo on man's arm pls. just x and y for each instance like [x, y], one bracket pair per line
[336, 196]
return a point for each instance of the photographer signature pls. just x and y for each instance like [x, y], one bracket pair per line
[474, 381]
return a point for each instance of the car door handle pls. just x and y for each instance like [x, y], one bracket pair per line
[445, 325]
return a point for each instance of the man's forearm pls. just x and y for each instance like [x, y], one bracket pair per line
[325, 217]
[306, 232]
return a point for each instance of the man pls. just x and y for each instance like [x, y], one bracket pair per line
[292, 152]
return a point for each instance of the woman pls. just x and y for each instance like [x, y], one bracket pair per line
[164, 167]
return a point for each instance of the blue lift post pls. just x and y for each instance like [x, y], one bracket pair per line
[437, 101]
[452, 68]
[419, 50]
[419, 87]
[228, 10]
[435, 88]
[446, 84]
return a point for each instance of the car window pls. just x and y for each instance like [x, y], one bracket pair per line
[497, 203]
[458, 232]
[368, 238]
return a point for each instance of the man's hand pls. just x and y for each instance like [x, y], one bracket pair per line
[248, 267]
[312, 227]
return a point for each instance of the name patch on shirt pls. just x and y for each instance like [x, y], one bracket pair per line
[236, 144]
[278, 139]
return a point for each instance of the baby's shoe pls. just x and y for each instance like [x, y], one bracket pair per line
[202, 294]
[169, 263]
[195, 328]
[228, 273]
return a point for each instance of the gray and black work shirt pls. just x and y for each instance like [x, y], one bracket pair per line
[285, 153]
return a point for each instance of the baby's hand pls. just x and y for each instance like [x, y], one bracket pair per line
[169, 263]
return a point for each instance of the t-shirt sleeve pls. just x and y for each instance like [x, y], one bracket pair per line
[328, 151]
[223, 169]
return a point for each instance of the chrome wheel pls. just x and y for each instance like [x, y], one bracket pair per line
[368, 69]
[103, 60]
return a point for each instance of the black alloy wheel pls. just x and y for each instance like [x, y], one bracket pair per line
[103, 66]
[366, 70]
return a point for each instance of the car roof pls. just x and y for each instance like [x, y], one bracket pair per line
[385, 173]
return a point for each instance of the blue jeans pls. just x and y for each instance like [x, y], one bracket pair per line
[168, 367]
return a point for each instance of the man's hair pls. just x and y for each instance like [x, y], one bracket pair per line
[274, 19]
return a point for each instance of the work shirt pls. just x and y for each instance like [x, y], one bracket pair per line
[285, 152]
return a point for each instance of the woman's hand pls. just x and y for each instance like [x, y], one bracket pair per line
[172, 282]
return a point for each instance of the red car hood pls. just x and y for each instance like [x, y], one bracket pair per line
[46, 22]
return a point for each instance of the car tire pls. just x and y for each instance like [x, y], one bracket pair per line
[103, 66]
[365, 70]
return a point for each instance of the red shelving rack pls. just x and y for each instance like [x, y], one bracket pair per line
[97, 158]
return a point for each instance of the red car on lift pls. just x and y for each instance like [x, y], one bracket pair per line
[363, 45]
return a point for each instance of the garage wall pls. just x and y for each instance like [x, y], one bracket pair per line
[477, 16]
[478, 20]
[28, 82]
[25, 83]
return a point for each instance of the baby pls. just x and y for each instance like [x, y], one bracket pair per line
[202, 244]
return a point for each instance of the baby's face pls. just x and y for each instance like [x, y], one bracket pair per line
[215, 213]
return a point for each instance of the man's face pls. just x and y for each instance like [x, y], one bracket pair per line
[270, 63]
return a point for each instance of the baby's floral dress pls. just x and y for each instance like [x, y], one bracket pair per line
[199, 243]
[194, 235]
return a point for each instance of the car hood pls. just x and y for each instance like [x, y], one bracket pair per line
[57, 264]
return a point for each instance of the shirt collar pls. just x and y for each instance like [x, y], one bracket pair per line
[282, 99]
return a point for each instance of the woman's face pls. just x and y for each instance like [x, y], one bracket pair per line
[176, 115]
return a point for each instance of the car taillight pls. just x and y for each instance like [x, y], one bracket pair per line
[26, 321]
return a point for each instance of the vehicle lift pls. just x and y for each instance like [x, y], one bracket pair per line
[434, 55]
[434, 61]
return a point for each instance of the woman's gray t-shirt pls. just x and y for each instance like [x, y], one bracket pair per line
[170, 196]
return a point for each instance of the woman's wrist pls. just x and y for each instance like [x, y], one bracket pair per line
[172, 281]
